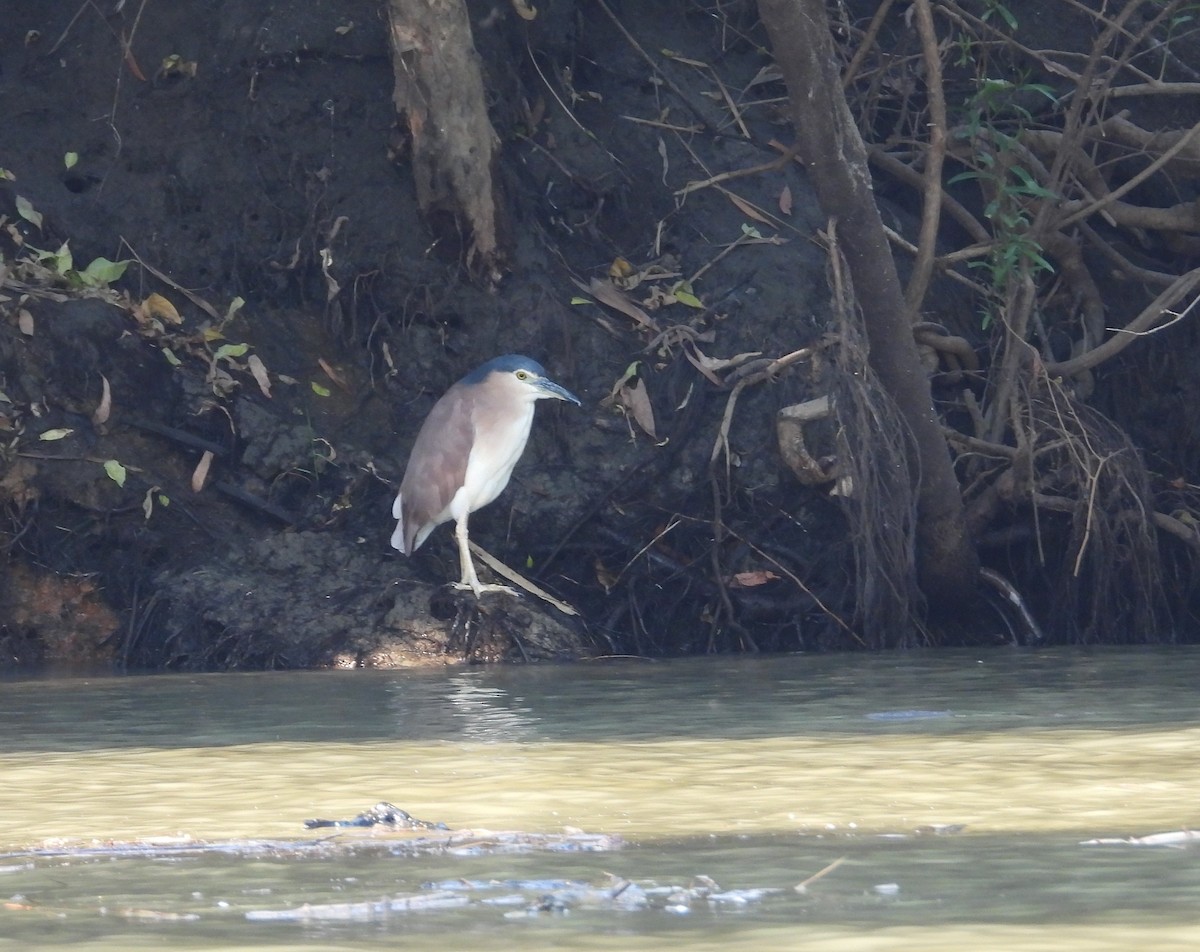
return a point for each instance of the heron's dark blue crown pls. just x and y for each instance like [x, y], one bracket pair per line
[506, 364]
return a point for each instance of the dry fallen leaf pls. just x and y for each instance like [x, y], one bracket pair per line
[630, 373]
[752, 579]
[699, 361]
[259, 370]
[709, 365]
[25, 322]
[785, 200]
[608, 293]
[104, 408]
[158, 306]
[747, 209]
[619, 269]
[636, 400]
[333, 374]
[200, 473]
[525, 11]
[604, 575]
[132, 63]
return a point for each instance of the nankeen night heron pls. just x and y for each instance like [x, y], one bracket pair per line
[466, 451]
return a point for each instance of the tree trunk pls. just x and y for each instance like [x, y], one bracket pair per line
[836, 159]
[439, 94]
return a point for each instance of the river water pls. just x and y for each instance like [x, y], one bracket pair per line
[955, 792]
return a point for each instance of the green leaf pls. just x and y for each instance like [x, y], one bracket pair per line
[1041, 262]
[60, 262]
[997, 7]
[231, 350]
[581, 300]
[991, 87]
[688, 298]
[115, 471]
[102, 272]
[171, 358]
[234, 306]
[50, 436]
[71, 159]
[1029, 185]
[750, 231]
[164, 500]
[26, 210]
[319, 390]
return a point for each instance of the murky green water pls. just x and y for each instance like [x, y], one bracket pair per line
[755, 773]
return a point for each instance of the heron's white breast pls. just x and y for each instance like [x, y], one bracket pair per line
[499, 443]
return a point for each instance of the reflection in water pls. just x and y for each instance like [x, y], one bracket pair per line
[486, 713]
[757, 773]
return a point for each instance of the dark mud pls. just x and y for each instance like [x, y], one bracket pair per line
[248, 150]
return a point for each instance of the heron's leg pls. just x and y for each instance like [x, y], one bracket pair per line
[469, 578]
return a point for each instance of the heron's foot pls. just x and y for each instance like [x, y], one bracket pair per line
[480, 589]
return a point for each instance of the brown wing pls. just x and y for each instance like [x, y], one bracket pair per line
[436, 468]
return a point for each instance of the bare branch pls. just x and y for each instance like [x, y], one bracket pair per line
[1183, 286]
[935, 155]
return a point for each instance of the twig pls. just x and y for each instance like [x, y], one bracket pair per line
[736, 243]
[554, 92]
[867, 43]
[644, 550]
[743, 204]
[771, 166]
[838, 620]
[1094, 479]
[1123, 189]
[800, 887]
[1154, 89]
[191, 296]
[670, 127]
[1183, 285]
[1013, 597]
[126, 57]
[1175, 319]
[737, 116]
[658, 71]
[935, 156]
[954, 208]
[518, 579]
[1073, 125]
[1177, 528]
[718, 523]
[78, 13]
[943, 261]
[986, 447]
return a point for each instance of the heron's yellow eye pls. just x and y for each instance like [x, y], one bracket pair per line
[522, 375]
